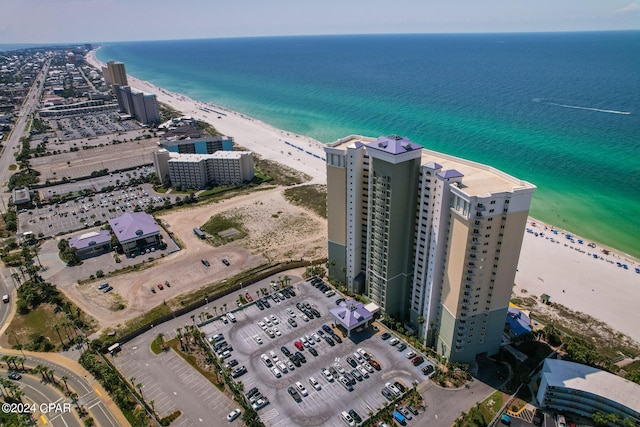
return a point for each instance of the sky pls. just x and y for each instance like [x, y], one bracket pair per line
[79, 21]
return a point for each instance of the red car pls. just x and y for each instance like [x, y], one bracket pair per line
[160, 286]
[248, 297]
[375, 364]
[298, 345]
[417, 360]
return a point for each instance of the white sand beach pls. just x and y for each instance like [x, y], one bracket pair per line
[566, 271]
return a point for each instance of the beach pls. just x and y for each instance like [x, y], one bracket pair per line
[566, 271]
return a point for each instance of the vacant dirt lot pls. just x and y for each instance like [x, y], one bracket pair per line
[276, 230]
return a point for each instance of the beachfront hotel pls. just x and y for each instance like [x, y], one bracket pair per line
[115, 74]
[434, 240]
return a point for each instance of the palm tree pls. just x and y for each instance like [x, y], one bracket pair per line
[64, 380]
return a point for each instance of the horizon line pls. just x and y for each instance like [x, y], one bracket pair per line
[29, 45]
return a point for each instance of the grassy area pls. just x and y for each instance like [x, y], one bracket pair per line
[157, 345]
[216, 190]
[41, 322]
[313, 197]
[154, 313]
[280, 174]
[13, 167]
[481, 414]
[219, 223]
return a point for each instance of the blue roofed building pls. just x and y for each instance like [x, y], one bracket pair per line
[518, 322]
[91, 244]
[351, 314]
[136, 232]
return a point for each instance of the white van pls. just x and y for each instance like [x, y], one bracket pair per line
[5, 299]
[231, 317]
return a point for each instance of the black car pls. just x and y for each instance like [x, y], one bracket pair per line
[320, 332]
[108, 289]
[231, 363]
[337, 339]
[299, 306]
[413, 410]
[260, 305]
[356, 374]
[205, 262]
[427, 369]
[251, 392]
[351, 362]
[14, 375]
[356, 417]
[266, 303]
[350, 378]
[313, 351]
[339, 300]
[301, 357]
[239, 371]
[538, 418]
[385, 336]
[399, 386]
[226, 262]
[292, 322]
[329, 341]
[292, 292]
[294, 393]
[285, 351]
[294, 359]
[386, 393]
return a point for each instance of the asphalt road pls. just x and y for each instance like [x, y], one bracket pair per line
[87, 396]
[42, 395]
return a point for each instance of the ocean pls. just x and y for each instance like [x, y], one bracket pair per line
[560, 110]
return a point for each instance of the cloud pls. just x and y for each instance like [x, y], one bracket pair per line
[630, 8]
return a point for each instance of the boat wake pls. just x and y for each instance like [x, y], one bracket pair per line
[577, 107]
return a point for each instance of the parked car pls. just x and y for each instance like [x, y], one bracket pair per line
[108, 289]
[233, 414]
[294, 394]
[205, 262]
[385, 336]
[226, 262]
[417, 360]
[14, 376]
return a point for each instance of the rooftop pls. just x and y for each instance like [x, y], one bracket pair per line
[92, 238]
[560, 373]
[478, 179]
[133, 226]
[351, 313]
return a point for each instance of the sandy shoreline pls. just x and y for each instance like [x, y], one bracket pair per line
[566, 271]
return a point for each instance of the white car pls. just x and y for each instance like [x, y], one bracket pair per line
[257, 339]
[276, 372]
[290, 365]
[302, 389]
[327, 375]
[315, 384]
[273, 356]
[368, 367]
[280, 365]
[411, 354]
[363, 371]
[274, 319]
[277, 331]
[290, 313]
[393, 389]
[316, 337]
[305, 317]
[233, 414]
[270, 333]
[262, 326]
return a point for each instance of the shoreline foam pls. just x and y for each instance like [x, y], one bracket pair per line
[560, 267]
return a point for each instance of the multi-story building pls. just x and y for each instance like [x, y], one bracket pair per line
[583, 390]
[196, 171]
[142, 106]
[115, 74]
[431, 238]
[204, 145]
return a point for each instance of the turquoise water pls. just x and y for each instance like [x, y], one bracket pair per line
[559, 110]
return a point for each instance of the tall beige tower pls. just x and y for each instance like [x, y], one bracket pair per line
[431, 238]
[117, 75]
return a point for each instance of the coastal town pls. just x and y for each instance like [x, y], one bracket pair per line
[170, 261]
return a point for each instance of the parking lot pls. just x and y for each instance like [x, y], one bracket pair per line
[89, 211]
[90, 125]
[319, 406]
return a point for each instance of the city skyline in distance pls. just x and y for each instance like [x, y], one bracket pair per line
[73, 21]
